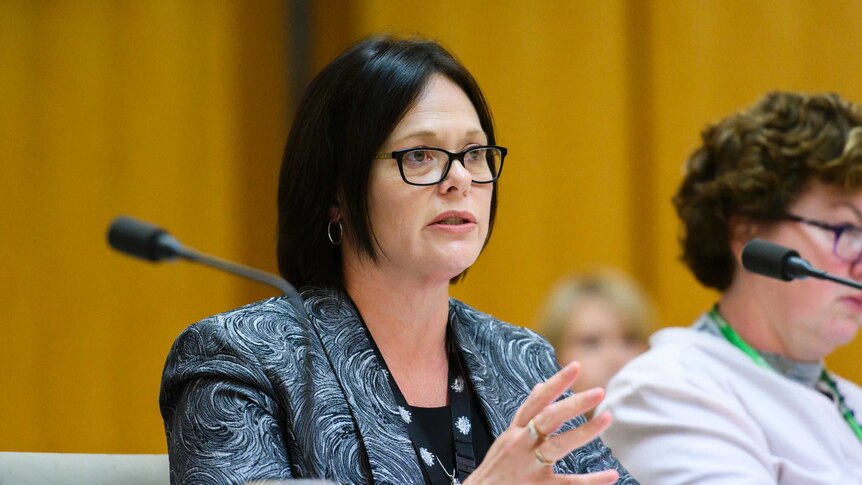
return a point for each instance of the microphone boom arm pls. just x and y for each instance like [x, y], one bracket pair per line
[238, 269]
[836, 279]
[150, 242]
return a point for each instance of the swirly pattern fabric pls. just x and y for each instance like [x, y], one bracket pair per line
[260, 392]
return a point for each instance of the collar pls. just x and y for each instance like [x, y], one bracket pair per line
[805, 373]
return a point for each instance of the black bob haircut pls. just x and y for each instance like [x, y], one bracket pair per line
[344, 117]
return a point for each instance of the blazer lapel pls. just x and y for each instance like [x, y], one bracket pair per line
[481, 373]
[365, 387]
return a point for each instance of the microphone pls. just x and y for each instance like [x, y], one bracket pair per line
[143, 240]
[775, 261]
[150, 242]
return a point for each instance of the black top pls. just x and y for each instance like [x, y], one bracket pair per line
[437, 425]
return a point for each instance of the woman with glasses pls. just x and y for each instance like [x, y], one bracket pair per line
[387, 194]
[743, 396]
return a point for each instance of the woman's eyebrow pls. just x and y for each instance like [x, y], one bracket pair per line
[432, 134]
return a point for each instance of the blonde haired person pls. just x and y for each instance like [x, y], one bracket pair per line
[602, 319]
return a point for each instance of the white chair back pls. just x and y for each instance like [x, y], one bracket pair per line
[17, 468]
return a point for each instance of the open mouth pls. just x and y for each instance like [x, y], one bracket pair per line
[452, 221]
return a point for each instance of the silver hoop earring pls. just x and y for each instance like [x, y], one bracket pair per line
[335, 240]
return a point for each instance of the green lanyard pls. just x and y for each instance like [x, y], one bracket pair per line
[735, 339]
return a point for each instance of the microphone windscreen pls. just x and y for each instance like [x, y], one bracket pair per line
[767, 259]
[136, 237]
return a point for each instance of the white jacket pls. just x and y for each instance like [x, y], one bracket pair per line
[696, 410]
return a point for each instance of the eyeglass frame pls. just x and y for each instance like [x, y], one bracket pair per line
[398, 156]
[837, 231]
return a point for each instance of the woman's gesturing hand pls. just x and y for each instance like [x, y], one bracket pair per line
[527, 450]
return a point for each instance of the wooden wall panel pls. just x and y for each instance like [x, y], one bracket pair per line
[177, 112]
[119, 108]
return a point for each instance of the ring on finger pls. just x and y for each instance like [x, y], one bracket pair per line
[535, 433]
[541, 458]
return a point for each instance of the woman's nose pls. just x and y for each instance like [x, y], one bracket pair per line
[458, 178]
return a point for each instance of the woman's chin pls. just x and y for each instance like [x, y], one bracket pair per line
[847, 333]
[453, 272]
[458, 258]
[841, 331]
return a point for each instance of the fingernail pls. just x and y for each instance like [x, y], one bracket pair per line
[604, 416]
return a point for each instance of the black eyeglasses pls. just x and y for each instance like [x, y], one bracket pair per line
[429, 166]
[848, 238]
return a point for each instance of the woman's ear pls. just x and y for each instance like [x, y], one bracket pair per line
[335, 228]
[742, 229]
[335, 213]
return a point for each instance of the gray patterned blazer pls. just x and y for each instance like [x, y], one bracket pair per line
[259, 392]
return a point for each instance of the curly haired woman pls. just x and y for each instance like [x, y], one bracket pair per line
[742, 396]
